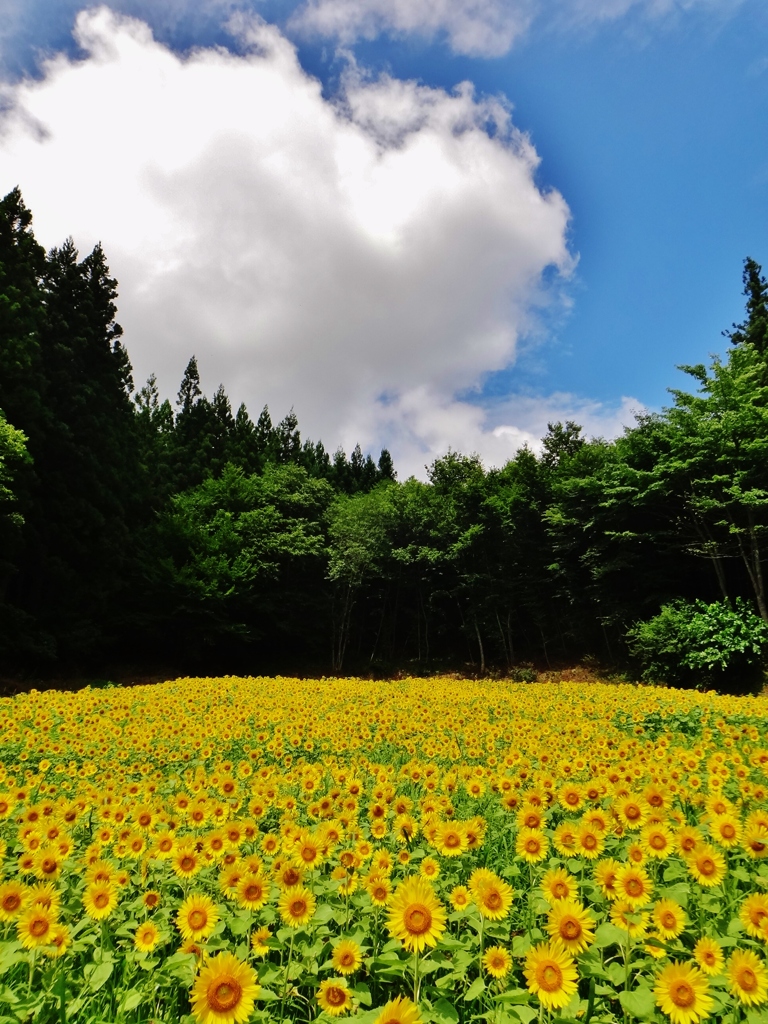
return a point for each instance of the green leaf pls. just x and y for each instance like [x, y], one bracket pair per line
[475, 989]
[640, 1003]
[363, 993]
[524, 1013]
[444, 1012]
[130, 1000]
[99, 974]
[609, 935]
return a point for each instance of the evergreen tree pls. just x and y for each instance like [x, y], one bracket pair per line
[386, 466]
[754, 330]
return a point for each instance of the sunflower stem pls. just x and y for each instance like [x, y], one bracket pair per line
[285, 983]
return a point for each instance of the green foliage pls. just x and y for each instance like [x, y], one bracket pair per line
[695, 640]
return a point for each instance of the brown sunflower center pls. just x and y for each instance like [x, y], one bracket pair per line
[560, 890]
[39, 926]
[224, 993]
[632, 811]
[570, 928]
[727, 831]
[452, 840]
[335, 995]
[550, 977]
[197, 919]
[11, 902]
[657, 841]
[682, 994]
[634, 887]
[417, 919]
[253, 891]
[589, 841]
[493, 899]
[668, 920]
[747, 979]
[187, 862]
[298, 907]
[101, 899]
[707, 866]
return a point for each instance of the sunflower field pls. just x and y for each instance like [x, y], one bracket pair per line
[215, 851]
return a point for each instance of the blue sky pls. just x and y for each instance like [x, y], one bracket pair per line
[651, 126]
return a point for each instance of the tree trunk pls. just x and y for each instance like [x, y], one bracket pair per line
[482, 649]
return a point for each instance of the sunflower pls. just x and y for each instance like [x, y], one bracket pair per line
[252, 891]
[531, 845]
[186, 861]
[59, 941]
[726, 830]
[334, 996]
[379, 888]
[99, 900]
[493, 898]
[605, 876]
[708, 955]
[682, 992]
[755, 841]
[556, 884]
[146, 937]
[754, 914]
[748, 977]
[497, 961]
[296, 905]
[346, 957]
[151, 899]
[46, 895]
[631, 811]
[631, 920]
[451, 839]
[225, 991]
[687, 839]
[48, 863]
[460, 897]
[550, 972]
[259, 940]
[572, 925]
[669, 918]
[34, 927]
[399, 1011]
[657, 840]
[416, 916]
[707, 865]
[196, 917]
[589, 841]
[429, 868]
[633, 885]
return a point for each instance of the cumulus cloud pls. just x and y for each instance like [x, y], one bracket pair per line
[364, 260]
[424, 424]
[485, 28]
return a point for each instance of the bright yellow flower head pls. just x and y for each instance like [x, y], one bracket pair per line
[225, 991]
[682, 993]
[572, 925]
[334, 996]
[550, 973]
[416, 916]
[748, 977]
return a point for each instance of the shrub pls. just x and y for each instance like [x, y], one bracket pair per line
[699, 644]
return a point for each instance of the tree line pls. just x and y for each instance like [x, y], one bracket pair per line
[137, 530]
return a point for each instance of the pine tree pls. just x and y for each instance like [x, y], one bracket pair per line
[754, 330]
[386, 466]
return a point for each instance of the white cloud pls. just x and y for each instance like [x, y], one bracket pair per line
[425, 424]
[486, 28]
[362, 260]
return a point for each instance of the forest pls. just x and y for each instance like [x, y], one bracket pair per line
[136, 531]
